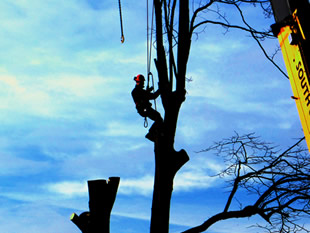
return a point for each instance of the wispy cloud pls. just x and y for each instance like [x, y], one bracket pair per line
[196, 176]
[56, 96]
[215, 49]
[116, 129]
[235, 97]
[68, 188]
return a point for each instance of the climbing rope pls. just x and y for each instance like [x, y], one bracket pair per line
[121, 21]
[150, 74]
[149, 39]
[149, 36]
[148, 80]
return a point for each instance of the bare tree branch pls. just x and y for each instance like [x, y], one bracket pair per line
[279, 183]
[254, 35]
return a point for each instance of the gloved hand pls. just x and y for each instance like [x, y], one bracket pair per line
[150, 89]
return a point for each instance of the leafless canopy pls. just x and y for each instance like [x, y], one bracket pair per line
[210, 12]
[277, 182]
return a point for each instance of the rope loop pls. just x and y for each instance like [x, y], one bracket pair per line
[145, 122]
[148, 79]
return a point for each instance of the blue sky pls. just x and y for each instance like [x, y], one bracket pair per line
[67, 115]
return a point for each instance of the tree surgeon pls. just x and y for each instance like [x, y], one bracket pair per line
[142, 98]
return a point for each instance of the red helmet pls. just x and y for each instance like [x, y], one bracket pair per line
[139, 78]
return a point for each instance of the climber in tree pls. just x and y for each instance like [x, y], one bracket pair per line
[142, 99]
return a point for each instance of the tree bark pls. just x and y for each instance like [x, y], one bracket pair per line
[102, 196]
[167, 160]
[167, 163]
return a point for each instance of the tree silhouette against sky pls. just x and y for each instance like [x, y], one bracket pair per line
[279, 182]
[176, 23]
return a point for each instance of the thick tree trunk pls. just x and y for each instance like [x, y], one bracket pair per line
[102, 196]
[167, 163]
[163, 185]
[167, 160]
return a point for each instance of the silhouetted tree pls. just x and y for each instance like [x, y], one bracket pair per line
[278, 183]
[176, 23]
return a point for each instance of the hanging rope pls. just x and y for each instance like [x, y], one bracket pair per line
[121, 21]
[149, 36]
[149, 39]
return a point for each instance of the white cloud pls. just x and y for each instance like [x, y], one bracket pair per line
[82, 86]
[19, 96]
[142, 186]
[216, 49]
[66, 188]
[57, 96]
[236, 97]
[189, 181]
[196, 176]
[193, 127]
[58, 37]
[116, 128]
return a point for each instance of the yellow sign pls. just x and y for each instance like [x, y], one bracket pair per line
[298, 78]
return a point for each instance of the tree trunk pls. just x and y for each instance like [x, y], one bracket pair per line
[167, 160]
[167, 163]
[102, 196]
